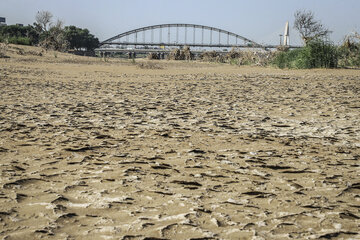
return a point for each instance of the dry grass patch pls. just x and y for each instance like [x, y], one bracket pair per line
[3, 50]
[149, 65]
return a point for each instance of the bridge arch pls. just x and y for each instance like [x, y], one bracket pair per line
[116, 39]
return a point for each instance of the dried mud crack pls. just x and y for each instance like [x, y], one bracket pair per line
[105, 150]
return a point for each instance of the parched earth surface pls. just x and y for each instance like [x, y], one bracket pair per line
[93, 149]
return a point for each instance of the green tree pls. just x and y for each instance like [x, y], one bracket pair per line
[26, 35]
[79, 38]
[49, 34]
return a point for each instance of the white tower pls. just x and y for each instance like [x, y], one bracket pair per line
[286, 35]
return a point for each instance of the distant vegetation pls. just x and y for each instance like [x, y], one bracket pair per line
[19, 35]
[318, 51]
[319, 54]
[49, 35]
[316, 54]
[239, 57]
[79, 38]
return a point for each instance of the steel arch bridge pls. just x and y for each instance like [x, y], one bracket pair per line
[177, 35]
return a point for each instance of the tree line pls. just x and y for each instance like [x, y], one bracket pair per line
[318, 50]
[48, 34]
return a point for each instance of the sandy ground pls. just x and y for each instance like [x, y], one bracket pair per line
[94, 149]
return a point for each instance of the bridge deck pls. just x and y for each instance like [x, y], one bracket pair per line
[167, 50]
[185, 44]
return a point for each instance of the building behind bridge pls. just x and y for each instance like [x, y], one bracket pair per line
[2, 21]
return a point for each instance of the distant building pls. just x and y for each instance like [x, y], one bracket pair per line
[19, 24]
[2, 21]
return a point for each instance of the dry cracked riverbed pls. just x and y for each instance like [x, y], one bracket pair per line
[106, 150]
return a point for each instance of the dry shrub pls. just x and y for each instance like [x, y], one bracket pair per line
[233, 54]
[153, 56]
[282, 48]
[176, 55]
[221, 59]
[264, 58]
[349, 51]
[35, 53]
[239, 57]
[188, 55]
[22, 51]
[55, 43]
[247, 58]
[211, 56]
[55, 38]
[184, 54]
[258, 58]
[3, 50]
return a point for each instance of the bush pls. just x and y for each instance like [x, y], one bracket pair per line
[16, 40]
[79, 38]
[212, 56]
[54, 38]
[239, 57]
[349, 55]
[19, 40]
[148, 65]
[25, 35]
[184, 54]
[316, 54]
[153, 56]
[3, 49]
[287, 59]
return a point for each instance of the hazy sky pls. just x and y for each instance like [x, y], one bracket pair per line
[259, 20]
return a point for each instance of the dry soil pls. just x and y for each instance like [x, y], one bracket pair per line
[108, 149]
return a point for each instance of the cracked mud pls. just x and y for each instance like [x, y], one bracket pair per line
[106, 150]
